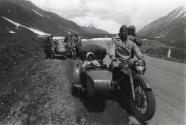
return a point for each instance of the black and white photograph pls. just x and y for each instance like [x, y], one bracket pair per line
[92, 62]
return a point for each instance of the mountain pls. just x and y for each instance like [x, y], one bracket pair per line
[170, 29]
[93, 30]
[24, 14]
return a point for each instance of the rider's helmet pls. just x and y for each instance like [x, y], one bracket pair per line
[131, 30]
[90, 56]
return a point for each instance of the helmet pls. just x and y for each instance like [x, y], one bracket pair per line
[90, 56]
[132, 28]
[123, 27]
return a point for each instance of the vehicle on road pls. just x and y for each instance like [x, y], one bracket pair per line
[59, 48]
[128, 78]
[49, 52]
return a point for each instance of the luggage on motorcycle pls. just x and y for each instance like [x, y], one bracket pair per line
[98, 82]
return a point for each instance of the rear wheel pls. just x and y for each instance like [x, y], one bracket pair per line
[143, 107]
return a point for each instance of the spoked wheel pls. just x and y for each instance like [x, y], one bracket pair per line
[143, 107]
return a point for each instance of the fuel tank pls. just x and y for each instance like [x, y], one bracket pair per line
[98, 82]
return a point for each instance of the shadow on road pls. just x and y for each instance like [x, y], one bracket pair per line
[97, 103]
[60, 57]
[57, 57]
[93, 104]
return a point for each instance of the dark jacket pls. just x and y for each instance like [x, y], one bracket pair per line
[135, 39]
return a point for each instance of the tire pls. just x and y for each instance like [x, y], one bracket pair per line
[74, 91]
[140, 81]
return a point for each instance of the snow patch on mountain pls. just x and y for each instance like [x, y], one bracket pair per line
[38, 32]
[16, 24]
[34, 30]
[179, 12]
[161, 35]
[11, 32]
[37, 13]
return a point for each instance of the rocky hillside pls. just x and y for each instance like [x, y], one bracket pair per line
[169, 29]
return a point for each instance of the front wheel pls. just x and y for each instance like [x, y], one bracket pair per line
[143, 107]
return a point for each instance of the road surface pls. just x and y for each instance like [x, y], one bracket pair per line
[168, 81]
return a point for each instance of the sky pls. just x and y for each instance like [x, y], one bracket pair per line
[109, 15]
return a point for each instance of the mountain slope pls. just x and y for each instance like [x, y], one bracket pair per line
[93, 30]
[170, 29]
[29, 15]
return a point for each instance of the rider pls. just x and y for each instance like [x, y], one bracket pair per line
[49, 45]
[119, 46]
[78, 44]
[122, 41]
[133, 36]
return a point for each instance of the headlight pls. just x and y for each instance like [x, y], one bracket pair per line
[140, 68]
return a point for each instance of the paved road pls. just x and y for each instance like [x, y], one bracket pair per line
[168, 80]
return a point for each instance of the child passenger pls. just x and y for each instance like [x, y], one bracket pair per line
[90, 59]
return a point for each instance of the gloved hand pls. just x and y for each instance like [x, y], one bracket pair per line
[115, 64]
[113, 58]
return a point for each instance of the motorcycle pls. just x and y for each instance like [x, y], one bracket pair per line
[128, 78]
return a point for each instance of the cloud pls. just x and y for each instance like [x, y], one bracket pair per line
[106, 24]
[110, 14]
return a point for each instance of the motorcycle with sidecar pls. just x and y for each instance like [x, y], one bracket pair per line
[128, 78]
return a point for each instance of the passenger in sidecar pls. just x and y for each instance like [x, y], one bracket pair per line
[90, 60]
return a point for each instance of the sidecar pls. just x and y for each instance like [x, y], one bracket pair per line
[91, 79]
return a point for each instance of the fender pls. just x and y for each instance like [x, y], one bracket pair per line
[144, 81]
[76, 74]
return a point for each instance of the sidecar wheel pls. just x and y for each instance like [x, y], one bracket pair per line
[143, 107]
